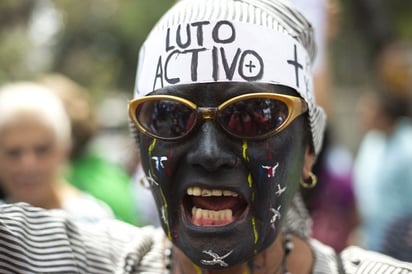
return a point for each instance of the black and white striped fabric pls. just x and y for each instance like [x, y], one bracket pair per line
[33, 240]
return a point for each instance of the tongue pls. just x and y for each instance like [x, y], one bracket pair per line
[216, 203]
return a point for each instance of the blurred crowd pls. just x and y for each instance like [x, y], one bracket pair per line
[56, 151]
[363, 198]
[47, 156]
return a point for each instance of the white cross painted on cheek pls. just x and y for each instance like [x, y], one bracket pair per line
[271, 170]
[164, 214]
[280, 190]
[276, 214]
[159, 161]
[152, 181]
[216, 258]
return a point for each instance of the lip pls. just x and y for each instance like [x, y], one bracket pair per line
[26, 182]
[186, 213]
[213, 229]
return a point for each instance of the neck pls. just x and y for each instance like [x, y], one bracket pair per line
[299, 261]
[387, 126]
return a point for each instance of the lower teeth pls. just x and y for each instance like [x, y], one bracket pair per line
[211, 217]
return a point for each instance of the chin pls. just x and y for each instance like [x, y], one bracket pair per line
[215, 251]
[221, 246]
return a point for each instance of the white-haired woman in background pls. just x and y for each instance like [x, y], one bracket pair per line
[34, 147]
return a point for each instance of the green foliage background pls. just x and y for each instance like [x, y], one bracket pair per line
[97, 44]
[98, 40]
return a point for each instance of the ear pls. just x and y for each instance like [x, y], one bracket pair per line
[309, 160]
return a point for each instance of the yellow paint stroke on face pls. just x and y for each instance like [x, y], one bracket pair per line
[151, 148]
[250, 183]
[166, 217]
[165, 205]
[244, 149]
[255, 233]
[249, 177]
[249, 180]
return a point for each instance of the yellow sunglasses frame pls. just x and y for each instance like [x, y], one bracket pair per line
[296, 107]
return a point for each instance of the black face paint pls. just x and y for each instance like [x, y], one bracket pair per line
[222, 199]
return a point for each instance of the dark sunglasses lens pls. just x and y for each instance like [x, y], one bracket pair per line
[254, 117]
[166, 118]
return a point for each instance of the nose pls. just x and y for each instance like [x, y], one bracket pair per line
[210, 151]
[28, 159]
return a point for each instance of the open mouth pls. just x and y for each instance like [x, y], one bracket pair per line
[213, 207]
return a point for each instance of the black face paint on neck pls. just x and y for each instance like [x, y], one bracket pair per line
[221, 199]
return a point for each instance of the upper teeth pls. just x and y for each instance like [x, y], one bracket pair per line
[198, 191]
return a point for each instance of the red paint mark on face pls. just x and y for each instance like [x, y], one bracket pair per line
[271, 171]
[175, 234]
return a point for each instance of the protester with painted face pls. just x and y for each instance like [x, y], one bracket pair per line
[218, 182]
[227, 127]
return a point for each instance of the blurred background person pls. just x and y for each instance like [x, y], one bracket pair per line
[383, 173]
[35, 144]
[331, 203]
[89, 171]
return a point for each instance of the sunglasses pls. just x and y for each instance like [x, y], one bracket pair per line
[249, 116]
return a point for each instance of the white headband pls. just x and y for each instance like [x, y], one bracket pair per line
[211, 41]
[221, 51]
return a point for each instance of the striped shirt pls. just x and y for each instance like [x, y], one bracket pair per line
[33, 240]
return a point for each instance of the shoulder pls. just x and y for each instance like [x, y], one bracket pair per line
[33, 240]
[148, 253]
[354, 260]
[357, 260]
[325, 258]
[86, 208]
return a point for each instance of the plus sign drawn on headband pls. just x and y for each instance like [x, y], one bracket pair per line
[251, 66]
[296, 64]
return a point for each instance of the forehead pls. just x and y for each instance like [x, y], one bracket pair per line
[26, 130]
[219, 92]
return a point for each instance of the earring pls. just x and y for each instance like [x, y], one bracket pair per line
[313, 181]
[144, 182]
